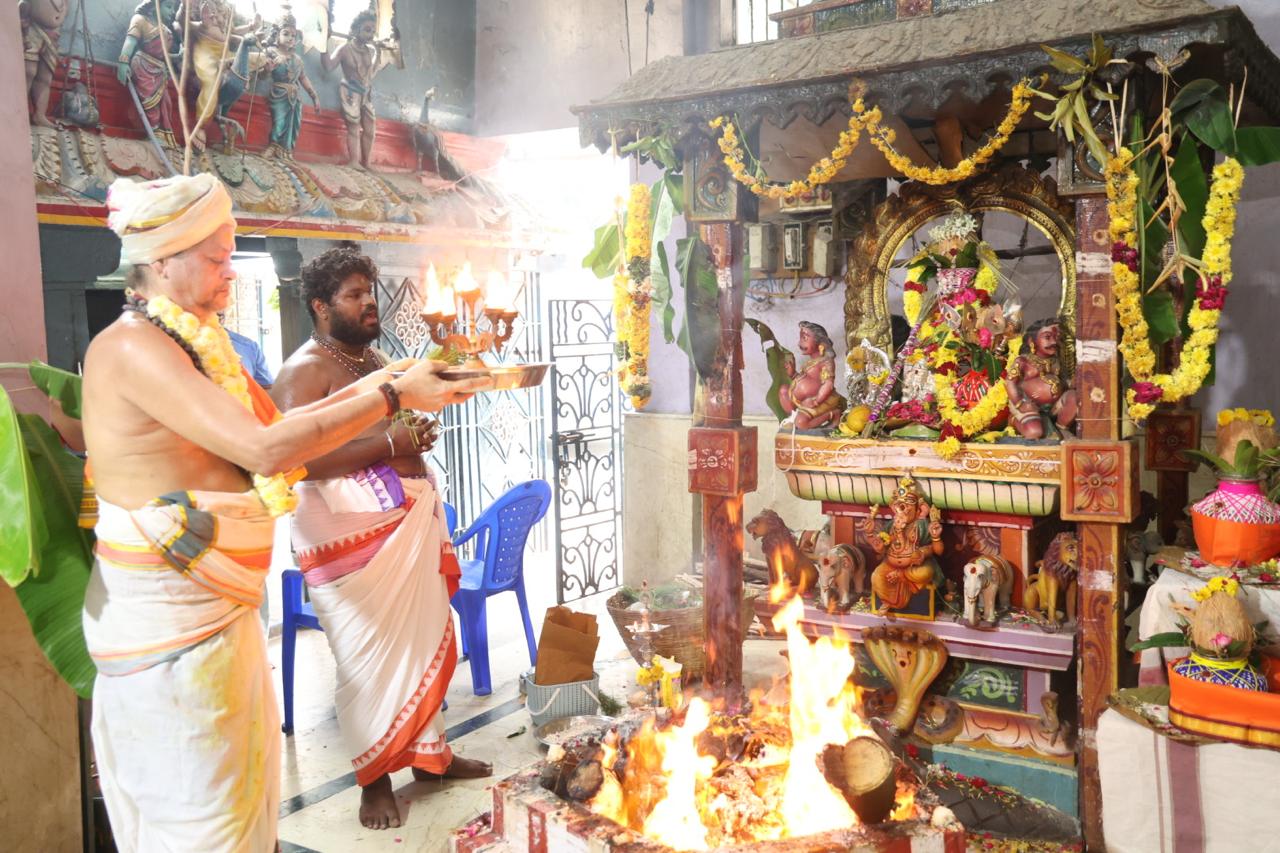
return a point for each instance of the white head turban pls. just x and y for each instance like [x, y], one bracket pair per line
[158, 219]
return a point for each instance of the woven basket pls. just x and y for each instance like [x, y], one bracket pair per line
[682, 640]
[547, 702]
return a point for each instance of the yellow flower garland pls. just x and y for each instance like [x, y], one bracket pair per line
[821, 172]
[883, 137]
[633, 298]
[221, 364]
[972, 421]
[1261, 417]
[1219, 224]
[1219, 584]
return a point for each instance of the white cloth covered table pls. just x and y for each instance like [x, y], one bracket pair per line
[1163, 796]
[1158, 616]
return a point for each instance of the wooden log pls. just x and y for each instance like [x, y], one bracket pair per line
[584, 781]
[863, 772]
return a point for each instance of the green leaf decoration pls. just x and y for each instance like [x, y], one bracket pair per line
[675, 189]
[1257, 146]
[700, 335]
[1161, 641]
[775, 356]
[1202, 106]
[915, 431]
[660, 278]
[23, 528]
[1189, 178]
[1246, 463]
[606, 252]
[57, 384]
[53, 599]
[1211, 459]
[1161, 316]
[1065, 62]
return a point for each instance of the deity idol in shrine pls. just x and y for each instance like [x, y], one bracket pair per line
[810, 397]
[1039, 400]
[908, 550]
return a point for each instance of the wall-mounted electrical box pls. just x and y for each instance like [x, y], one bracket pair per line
[826, 251]
[793, 246]
[761, 247]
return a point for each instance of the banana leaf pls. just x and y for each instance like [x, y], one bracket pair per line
[58, 384]
[54, 598]
[1203, 108]
[1257, 146]
[606, 252]
[1188, 176]
[24, 531]
[775, 356]
[700, 335]
[664, 209]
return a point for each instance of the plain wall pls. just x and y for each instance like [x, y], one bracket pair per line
[536, 58]
[40, 750]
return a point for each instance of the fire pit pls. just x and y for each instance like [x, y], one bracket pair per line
[797, 769]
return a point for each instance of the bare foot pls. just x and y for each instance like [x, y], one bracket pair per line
[378, 805]
[459, 768]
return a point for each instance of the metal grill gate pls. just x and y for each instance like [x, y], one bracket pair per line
[586, 440]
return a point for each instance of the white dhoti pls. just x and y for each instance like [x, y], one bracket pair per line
[376, 555]
[185, 729]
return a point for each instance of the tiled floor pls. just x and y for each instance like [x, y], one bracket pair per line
[319, 794]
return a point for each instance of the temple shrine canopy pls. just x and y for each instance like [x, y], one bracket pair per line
[919, 61]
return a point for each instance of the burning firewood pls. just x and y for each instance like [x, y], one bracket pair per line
[863, 772]
[584, 781]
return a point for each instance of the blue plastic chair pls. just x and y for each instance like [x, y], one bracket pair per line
[500, 533]
[300, 614]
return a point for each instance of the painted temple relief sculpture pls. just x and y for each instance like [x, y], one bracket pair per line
[361, 59]
[810, 397]
[222, 63]
[143, 68]
[41, 21]
[288, 81]
[908, 550]
[1040, 403]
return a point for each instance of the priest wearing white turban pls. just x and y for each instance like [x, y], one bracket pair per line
[189, 463]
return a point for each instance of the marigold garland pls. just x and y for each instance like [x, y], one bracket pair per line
[883, 137]
[633, 298]
[221, 364]
[1219, 221]
[821, 172]
[957, 423]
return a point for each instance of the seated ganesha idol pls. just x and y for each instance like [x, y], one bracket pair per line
[810, 398]
[908, 550]
[1039, 399]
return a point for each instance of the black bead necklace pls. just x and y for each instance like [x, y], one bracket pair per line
[135, 303]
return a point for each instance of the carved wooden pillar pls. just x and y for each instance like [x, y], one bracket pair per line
[1169, 432]
[722, 453]
[722, 468]
[1100, 492]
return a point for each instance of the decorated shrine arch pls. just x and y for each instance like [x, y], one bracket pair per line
[1013, 189]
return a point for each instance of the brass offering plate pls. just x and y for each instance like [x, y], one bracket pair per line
[506, 377]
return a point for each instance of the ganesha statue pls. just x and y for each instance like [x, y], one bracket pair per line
[809, 397]
[1040, 402]
[907, 551]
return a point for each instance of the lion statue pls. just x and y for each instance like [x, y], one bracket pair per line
[1057, 572]
[782, 553]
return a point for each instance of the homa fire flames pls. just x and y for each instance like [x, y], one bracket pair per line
[782, 770]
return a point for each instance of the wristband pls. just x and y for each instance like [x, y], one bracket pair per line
[392, 396]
